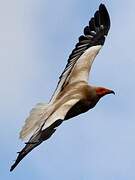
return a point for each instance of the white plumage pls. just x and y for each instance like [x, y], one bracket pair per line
[34, 120]
[73, 95]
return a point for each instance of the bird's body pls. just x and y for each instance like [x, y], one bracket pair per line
[73, 95]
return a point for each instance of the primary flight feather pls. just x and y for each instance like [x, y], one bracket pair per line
[73, 95]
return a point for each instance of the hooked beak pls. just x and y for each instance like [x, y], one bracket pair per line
[111, 92]
[103, 91]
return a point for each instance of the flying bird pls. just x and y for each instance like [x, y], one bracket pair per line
[73, 95]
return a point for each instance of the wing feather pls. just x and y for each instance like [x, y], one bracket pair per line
[34, 120]
[94, 35]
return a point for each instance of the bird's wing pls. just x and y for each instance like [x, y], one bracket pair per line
[34, 141]
[81, 58]
[48, 128]
[45, 114]
[60, 112]
[35, 118]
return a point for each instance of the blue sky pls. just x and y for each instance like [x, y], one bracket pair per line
[36, 38]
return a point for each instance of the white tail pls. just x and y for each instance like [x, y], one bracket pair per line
[34, 120]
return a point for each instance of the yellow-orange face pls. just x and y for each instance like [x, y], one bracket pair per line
[103, 91]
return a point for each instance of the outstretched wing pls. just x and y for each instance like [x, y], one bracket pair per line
[81, 58]
[34, 120]
[36, 140]
[46, 131]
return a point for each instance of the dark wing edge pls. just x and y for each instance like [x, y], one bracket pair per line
[94, 34]
[36, 140]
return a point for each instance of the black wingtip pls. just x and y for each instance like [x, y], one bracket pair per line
[104, 17]
[102, 5]
[15, 164]
[12, 167]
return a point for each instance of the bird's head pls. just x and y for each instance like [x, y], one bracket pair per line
[95, 93]
[101, 91]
